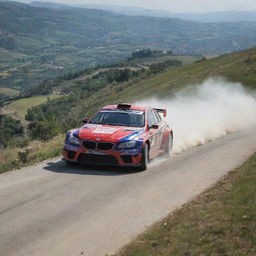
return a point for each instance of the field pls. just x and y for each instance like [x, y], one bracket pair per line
[222, 221]
[18, 108]
[8, 91]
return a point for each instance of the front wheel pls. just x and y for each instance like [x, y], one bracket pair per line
[145, 158]
[70, 163]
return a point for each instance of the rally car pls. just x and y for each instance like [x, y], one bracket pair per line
[122, 135]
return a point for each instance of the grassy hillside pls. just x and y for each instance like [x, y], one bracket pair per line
[18, 108]
[40, 43]
[237, 67]
[221, 221]
[87, 96]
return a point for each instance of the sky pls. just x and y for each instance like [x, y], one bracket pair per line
[173, 5]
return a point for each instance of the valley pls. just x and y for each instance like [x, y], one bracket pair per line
[39, 44]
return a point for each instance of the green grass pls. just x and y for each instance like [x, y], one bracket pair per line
[235, 67]
[18, 108]
[221, 221]
[40, 151]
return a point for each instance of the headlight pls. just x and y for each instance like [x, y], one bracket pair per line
[73, 140]
[127, 144]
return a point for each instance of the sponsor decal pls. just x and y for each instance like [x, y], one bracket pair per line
[133, 135]
[88, 126]
[105, 130]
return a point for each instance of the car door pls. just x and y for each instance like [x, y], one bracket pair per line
[153, 133]
[160, 130]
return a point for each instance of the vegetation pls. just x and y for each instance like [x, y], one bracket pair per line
[147, 61]
[39, 43]
[144, 53]
[161, 67]
[87, 94]
[87, 97]
[18, 108]
[10, 130]
[3, 98]
[61, 114]
[38, 151]
[221, 221]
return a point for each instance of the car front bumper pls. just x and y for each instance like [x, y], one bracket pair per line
[126, 158]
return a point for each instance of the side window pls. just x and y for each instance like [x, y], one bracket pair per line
[158, 118]
[152, 119]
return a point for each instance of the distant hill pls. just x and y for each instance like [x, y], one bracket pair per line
[227, 16]
[42, 43]
[49, 5]
[221, 16]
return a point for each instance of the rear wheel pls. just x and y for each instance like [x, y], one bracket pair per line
[145, 158]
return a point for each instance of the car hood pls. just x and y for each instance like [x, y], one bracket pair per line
[108, 132]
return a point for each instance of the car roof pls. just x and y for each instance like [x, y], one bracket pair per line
[126, 106]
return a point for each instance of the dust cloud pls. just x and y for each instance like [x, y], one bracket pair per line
[201, 113]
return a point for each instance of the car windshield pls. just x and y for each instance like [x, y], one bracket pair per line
[130, 118]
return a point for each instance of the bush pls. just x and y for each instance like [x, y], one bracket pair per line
[44, 129]
[9, 130]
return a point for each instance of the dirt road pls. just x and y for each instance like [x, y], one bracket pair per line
[53, 210]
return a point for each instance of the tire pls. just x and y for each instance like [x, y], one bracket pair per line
[70, 163]
[169, 145]
[145, 158]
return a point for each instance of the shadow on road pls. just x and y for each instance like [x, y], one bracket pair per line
[61, 167]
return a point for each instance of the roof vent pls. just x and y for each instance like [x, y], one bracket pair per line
[124, 105]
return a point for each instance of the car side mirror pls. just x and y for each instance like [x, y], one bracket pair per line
[154, 126]
[85, 120]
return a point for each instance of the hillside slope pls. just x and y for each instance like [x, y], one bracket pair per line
[40, 43]
[236, 67]
[66, 112]
[69, 110]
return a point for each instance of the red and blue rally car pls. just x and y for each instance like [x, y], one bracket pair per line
[122, 135]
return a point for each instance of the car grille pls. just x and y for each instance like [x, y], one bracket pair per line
[105, 145]
[94, 145]
[97, 159]
[90, 144]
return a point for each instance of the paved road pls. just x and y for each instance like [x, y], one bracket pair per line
[53, 210]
